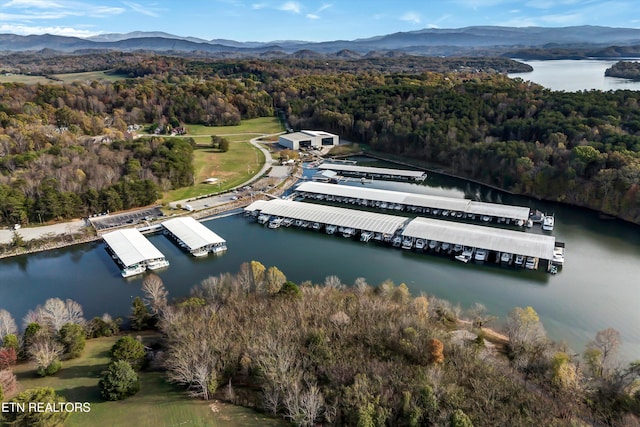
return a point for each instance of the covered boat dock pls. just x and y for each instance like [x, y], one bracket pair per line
[134, 252]
[193, 236]
[348, 219]
[413, 202]
[489, 238]
[374, 173]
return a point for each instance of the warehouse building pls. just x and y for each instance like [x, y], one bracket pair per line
[308, 139]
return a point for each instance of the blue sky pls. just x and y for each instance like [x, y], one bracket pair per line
[268, 20]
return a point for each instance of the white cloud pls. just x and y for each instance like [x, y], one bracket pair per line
[324, 6]
[258, 6]
[142, 9]
[413, 17]
[38, 4]
[312, 16]
[59, 31]
[291, 6]
[30, 10]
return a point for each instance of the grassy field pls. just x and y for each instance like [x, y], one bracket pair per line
[157, 404]
[232, 168]
[261, 125]
[23, 78]
[62, 78]
[90, 75]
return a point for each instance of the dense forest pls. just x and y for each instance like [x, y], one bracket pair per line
[578, 148]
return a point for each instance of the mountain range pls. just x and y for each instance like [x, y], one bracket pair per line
[426, 42]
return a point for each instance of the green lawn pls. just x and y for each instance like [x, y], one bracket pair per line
[64, 78]
[26, 79]
[157, 404]
[107, 75]
[261, 125]
[232, 168]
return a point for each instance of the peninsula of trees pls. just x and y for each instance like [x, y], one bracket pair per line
[625, 70]
[65, 150]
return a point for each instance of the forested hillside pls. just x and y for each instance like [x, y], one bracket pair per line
[460, 113]
[578, 148]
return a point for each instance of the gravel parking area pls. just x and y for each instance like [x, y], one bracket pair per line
[135, 217]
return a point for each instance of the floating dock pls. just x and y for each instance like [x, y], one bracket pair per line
[414, 202]
[357, 221]
[422, 234]
[374, 173]
[194, 237]
[475, 236]
[133, 252]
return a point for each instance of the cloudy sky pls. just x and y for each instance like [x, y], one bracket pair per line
[267, 20]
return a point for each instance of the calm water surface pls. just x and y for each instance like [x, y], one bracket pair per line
[598, 287]
[575, 75]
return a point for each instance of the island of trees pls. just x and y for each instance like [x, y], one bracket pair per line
[331, 354]
[625, 70]
[65, 149]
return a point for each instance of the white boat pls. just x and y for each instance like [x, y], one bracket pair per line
[304, 224]
[548, 223]
[532, 263]
[467, 251]
[463, 258]
[485, 218]
[157, 264]
[558, 255]
[275, 222]
[200, 253]
[529, 223]
[433, 244]
[481, 255]
[436, 211]
[287, 222]
[420, 244]
[316, 226]
[263, 218]
[133, 270]
[298, 223]
[506, 257]
[520, 222]
[348, 232]
[407, 243]
[330, 229]
[519, 261]
[397, 241]
[445, 213]
[457, 248]
[445, 246]
[365, 236]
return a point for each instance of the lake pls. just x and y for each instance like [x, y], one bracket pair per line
[575, 75]
[596, 289]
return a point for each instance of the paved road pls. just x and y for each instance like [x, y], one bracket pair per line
[30, 233]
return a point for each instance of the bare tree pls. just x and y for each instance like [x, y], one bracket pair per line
[33, 316]
[8, 382]
[43, 351]
[155, 294]
[7, 324]
[361, 285]
[333, 282]
[600, 353]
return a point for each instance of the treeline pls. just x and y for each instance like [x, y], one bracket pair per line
[78, 181]
[579, 148]
[625, 70]
[375, 356]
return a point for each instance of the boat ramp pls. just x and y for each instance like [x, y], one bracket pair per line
[134, 253]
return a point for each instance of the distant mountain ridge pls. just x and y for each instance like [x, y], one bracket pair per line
[427, 41]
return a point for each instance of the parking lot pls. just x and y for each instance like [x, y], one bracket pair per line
[136, 217]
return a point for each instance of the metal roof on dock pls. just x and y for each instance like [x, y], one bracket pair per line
[416, 199]
[491, 238]
[192, 233]
[342, 217]
[372, 170]
[131, 247]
